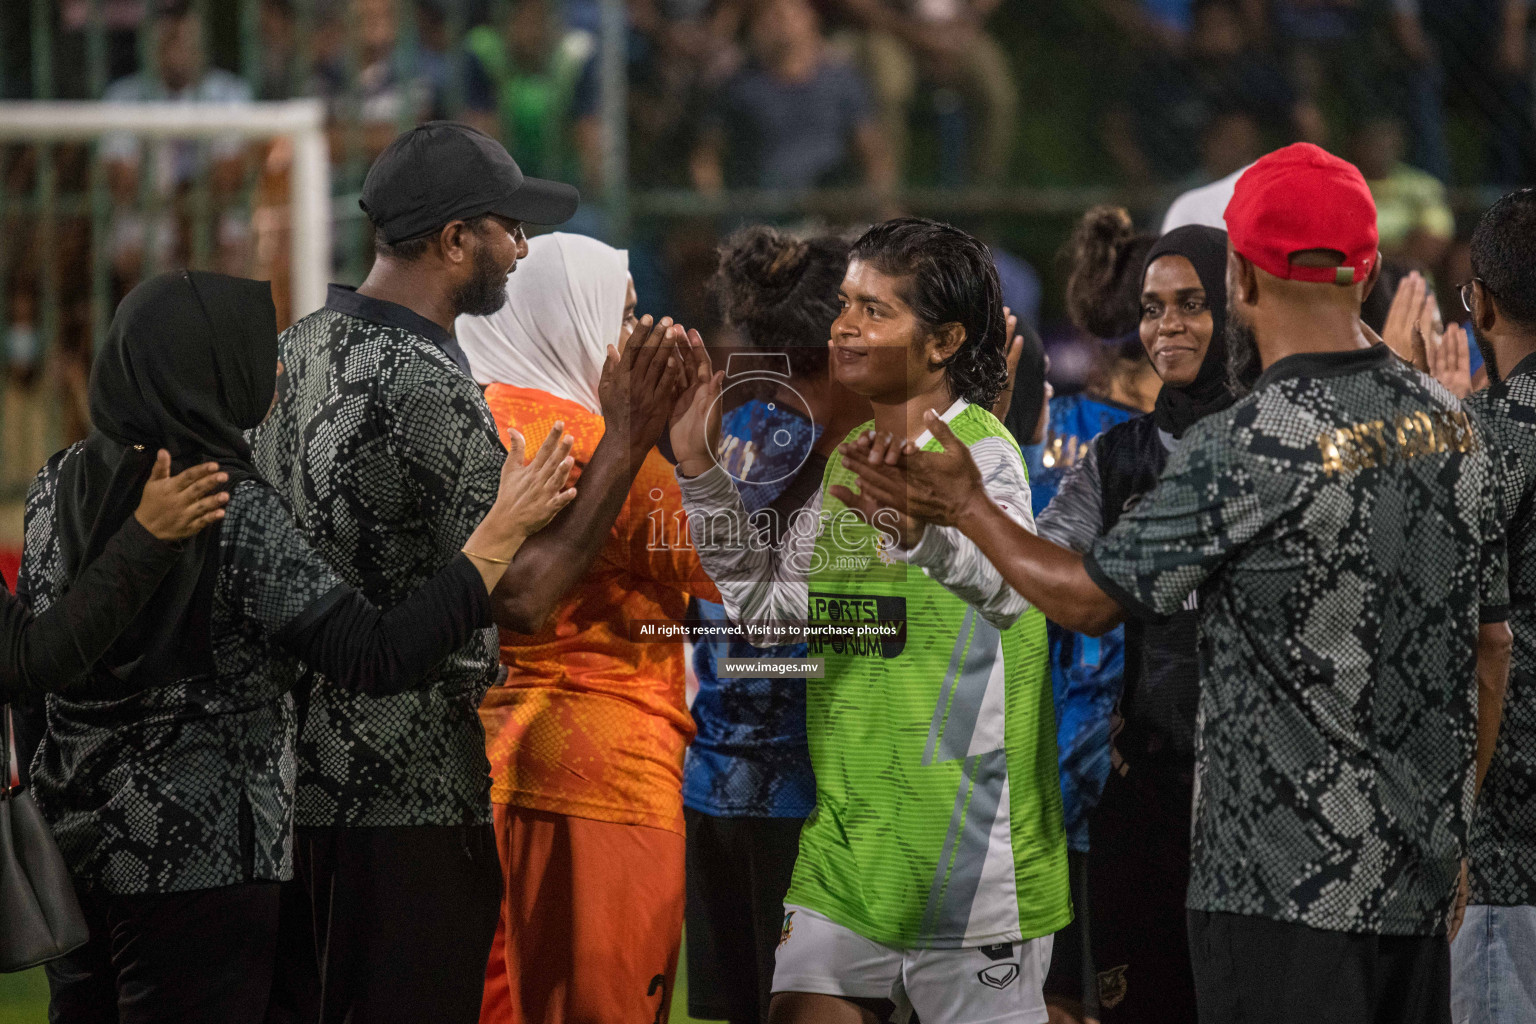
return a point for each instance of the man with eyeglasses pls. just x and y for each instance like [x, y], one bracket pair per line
[1493, 958]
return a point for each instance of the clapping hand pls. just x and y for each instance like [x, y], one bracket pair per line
[1449, 362]
[1412, 317]
[879, 461]
[533, 492]
[921, 486]
[639, 388]
[530, 495]
[695, 422]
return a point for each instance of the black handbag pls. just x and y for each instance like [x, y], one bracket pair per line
[40, 916]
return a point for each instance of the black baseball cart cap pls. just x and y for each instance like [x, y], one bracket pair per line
[443, 171]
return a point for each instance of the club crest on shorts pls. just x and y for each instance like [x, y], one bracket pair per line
[1112, 986]
[788, 929]
[998, 975]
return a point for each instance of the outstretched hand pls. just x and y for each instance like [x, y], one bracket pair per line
[879, 462]
[1449, 362]
[177, 507]
[936, 487]
[533, 492]
[695, 421]
[1412, 319]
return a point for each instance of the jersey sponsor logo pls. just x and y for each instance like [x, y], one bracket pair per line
[857, 625]
[998, 975]
[1380, 442]
[788, 929]
[1112, 986]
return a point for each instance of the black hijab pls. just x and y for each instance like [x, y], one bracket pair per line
[189, 364]
[1178, 409]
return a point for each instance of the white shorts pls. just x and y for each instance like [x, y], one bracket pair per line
[976, 985]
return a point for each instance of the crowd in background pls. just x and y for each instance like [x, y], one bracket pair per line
[873, 95]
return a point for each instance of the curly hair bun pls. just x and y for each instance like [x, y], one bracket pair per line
[759, 268]
[1104, 257]
[780, 291]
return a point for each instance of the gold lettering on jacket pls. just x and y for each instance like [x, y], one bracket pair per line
[1368, 445]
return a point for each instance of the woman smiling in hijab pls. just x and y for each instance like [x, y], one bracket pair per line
[167, 776]
[1138, 859]
[586, 736]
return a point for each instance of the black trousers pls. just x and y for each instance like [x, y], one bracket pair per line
[200, 957]
[1138, 877]
[1073, 981]
[738, 873]
[1252, 970]
[386, 925]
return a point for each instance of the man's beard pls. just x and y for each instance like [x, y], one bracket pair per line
[1490, 361]
[1243, 363]
[486, 291]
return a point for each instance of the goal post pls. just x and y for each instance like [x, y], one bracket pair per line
[302, 121]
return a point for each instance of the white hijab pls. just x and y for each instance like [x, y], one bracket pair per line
[565, 305]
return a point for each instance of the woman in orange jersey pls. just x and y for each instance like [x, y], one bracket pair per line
[586, 734]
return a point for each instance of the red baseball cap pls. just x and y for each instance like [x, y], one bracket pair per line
[1298, 198]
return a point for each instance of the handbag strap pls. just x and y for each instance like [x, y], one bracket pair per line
[5, 755]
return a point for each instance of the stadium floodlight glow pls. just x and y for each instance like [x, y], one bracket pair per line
[302, 121]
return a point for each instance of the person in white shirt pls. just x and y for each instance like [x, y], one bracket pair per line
[1204, 205]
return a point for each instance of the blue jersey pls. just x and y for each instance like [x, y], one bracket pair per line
[750, 757]
[1086, 671]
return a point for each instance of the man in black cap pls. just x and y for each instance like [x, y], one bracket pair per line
[382, 443]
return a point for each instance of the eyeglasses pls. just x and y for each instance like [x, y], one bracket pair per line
[1466, 292]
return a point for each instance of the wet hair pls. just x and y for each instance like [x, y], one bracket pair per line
[1504, 255]
[408, 250]
[1104, 272]
[780, 292]
[952, 280]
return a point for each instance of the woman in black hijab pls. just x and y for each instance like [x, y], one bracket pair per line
[168, 776]
[1138, 856]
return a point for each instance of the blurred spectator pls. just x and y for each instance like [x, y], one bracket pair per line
[1413, 216]
[533, 85]
[120, 23]
[381, 88]
[1329, 49]
[942, 43]
[1231, 141]
[1476, 53]
[279, 53]
[1185, 86]
[170, 173]
[1020, 284]
[795, 117]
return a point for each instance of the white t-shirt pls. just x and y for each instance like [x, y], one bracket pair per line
[1204, 205]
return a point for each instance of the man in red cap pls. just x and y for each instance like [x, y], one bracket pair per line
[1339, 523]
